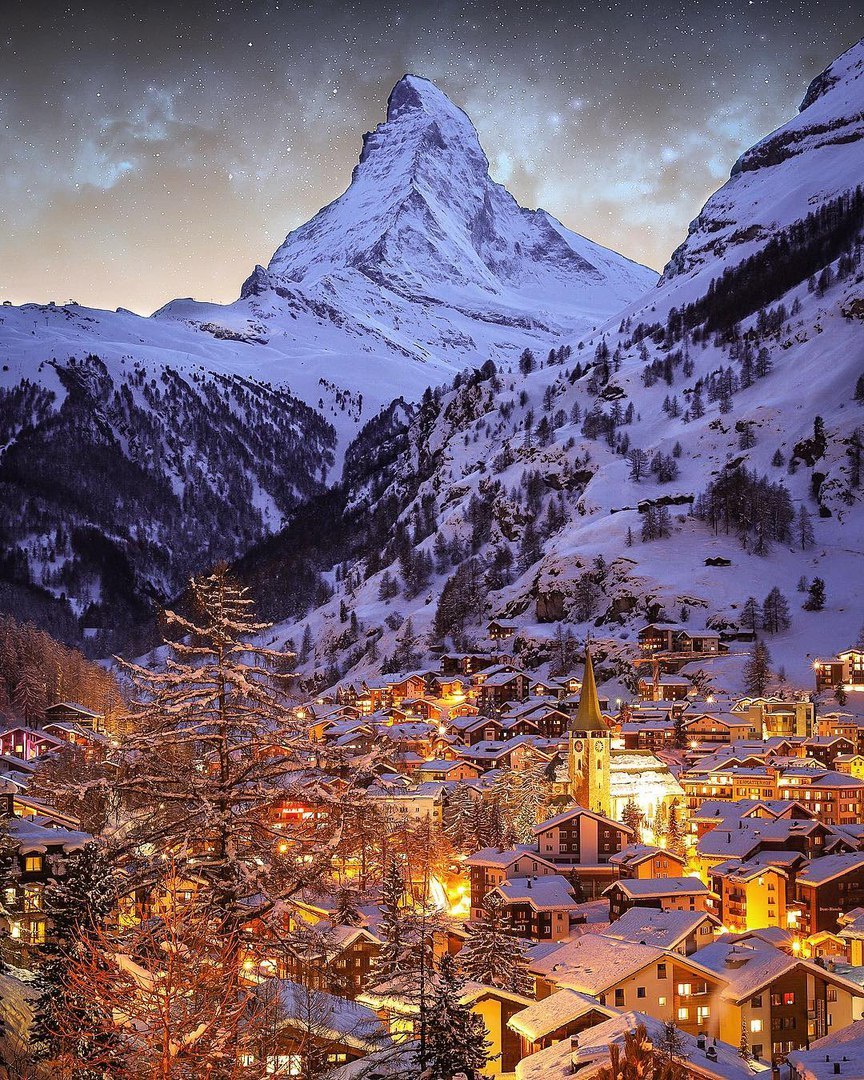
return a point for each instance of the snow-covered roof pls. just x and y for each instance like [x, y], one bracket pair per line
[339, 1018]
[749, 966]
[818, 871]
[31, 837]
[554, 1012]
[663, 929]
[640, 888]
[551, 892]
[592, 963]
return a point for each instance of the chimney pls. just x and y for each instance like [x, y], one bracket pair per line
[700, 1041]
[711, 1053]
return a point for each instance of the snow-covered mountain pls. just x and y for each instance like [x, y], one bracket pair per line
[741, 380]
[423, 267]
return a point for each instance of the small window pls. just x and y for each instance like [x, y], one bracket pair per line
[789, 999]
[661, 971]
[661, 1001]
[756, 1002]
[683, 1013]
[640, 991]
[619, 998]
[755, 1026]
[33, 863]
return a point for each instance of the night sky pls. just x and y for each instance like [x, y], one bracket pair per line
[154, 151]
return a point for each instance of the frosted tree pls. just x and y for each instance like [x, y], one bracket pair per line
[757, 670]
[459, 819]
[492, 955]
[816, 595]
[632, 817]
[66, 1019]
[455, 1036]
[751, 614]
[394, 930]
[675, 831]
[214, 755]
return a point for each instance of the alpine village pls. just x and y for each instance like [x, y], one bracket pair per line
[528, 746]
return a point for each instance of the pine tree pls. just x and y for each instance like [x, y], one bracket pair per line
[751, 614]
[493, 956]
[805, 529]
[455, 1036]
[675, 831]
[757, 670]
[679, 731]
[775, 612]
[212, 744]
[816, 596]
[77, 903]
[743, 1045]
[632, 817]
[394, 930]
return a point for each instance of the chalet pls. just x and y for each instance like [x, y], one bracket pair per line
[827, 748]
[549, 688]
[645, 861]
[828, 887]
[713, 729]
[423, 708]
[667, 894]
[497, 689]
[538, 908]
[70, 712]
[557, 1017]
[648, 734]
[663, 688]
[590, 1052]
[497, 1009]
[751, 894]
[38, 856]
[579, 838]
[27, 743]
[850, 765]
[408, 686]
[342, 1031]
[490, 867]
[334, 958]
[458, 769]
[835, 798]
[678, 931]
[781, 1001]
[500, 631]
[419, 802]
[465, 663]
[677, 638]
[661, 983]
[846, 669]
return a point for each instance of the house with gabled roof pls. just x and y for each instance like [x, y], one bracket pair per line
[678, 931]
[668, 894]
[782, 1001]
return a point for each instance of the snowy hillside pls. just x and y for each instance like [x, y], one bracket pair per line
[624, 481]
[423, 267]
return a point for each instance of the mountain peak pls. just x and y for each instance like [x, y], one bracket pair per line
[413, 93]
[846, 69]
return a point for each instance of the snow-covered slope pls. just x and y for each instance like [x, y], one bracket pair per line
[423, 267]
[755, 331]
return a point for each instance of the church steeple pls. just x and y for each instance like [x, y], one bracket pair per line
[588, 716]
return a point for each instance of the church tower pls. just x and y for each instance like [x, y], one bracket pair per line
[590, 749]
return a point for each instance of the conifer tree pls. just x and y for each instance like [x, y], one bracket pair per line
[775, 612]
[757, 670]
[210, 757]
[492, 955]
[675, 831]
[816, 596]
[393, 958]
[455, 1036]
[77, 903]
[632, 817]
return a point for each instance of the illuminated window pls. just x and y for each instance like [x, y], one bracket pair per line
[683, 1013]
[755, 1026]
[789, 999]
[661, 1001]
[33, 863]
[684, 989]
